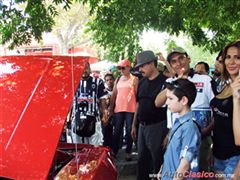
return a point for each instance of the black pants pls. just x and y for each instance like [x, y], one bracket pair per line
[107, 134]
[150, 150]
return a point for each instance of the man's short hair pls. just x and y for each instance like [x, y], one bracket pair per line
[183, 87]
[108, 74]
[206, 66]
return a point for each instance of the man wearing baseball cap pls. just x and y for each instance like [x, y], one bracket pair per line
[151, 119]
[180, 62]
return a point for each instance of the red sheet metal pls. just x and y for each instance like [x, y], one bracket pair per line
[36, 93]
[94, 163]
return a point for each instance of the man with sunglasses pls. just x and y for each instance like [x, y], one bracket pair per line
[180, 62]
[152, 120]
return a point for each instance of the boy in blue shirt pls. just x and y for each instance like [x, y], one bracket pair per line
[181, 156]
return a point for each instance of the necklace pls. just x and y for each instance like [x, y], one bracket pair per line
[124, 78]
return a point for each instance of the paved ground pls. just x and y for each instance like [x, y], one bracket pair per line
[127, 178]
[126, 169]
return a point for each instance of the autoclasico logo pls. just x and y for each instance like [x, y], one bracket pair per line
[192, 174]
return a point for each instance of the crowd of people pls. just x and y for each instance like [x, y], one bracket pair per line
[185, 123]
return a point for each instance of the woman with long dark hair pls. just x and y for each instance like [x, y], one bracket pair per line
[226, 152]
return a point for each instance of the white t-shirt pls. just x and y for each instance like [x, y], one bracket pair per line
[201, 108]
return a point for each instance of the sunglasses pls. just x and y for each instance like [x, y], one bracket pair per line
[122, 68]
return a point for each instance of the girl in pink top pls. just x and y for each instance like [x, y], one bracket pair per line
[123, 104]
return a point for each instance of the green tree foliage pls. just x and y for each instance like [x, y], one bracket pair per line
[118, 23]
[196, 53]
[17, 27]
[195, 18]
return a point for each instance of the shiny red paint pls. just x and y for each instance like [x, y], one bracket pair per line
[94, 163]
[36, 94]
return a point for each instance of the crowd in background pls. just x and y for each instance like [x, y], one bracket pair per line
[167, 140]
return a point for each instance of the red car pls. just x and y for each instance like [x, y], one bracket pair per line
[36, 93]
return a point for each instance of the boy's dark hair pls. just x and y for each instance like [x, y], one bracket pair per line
[110, 75]
[206, 66]
[183, 87]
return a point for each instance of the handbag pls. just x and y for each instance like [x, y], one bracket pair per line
[85, 126]
[85, 122]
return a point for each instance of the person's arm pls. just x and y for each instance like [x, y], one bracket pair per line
[207, 130]
[135, 85]
[190, 145]
[161, 98]
[236, 121]
[236, 174]
[134, 124]
[236, 110]
[182, 169]
[166, 139]
[170, 69]
[159, 175]
[104, 110]
[113, 98]
[102, 96]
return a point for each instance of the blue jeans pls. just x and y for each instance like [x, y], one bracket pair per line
[226, 166]
[118, 123]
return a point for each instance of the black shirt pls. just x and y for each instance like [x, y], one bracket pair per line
[223, 138]
[146, 95]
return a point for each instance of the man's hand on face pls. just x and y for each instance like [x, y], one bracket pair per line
[182, 74]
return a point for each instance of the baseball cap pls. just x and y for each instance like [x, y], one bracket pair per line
[178, 50]
[124, 63]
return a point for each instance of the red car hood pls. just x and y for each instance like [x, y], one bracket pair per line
[35, 96]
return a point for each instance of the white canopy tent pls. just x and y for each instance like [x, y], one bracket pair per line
[100, 66]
